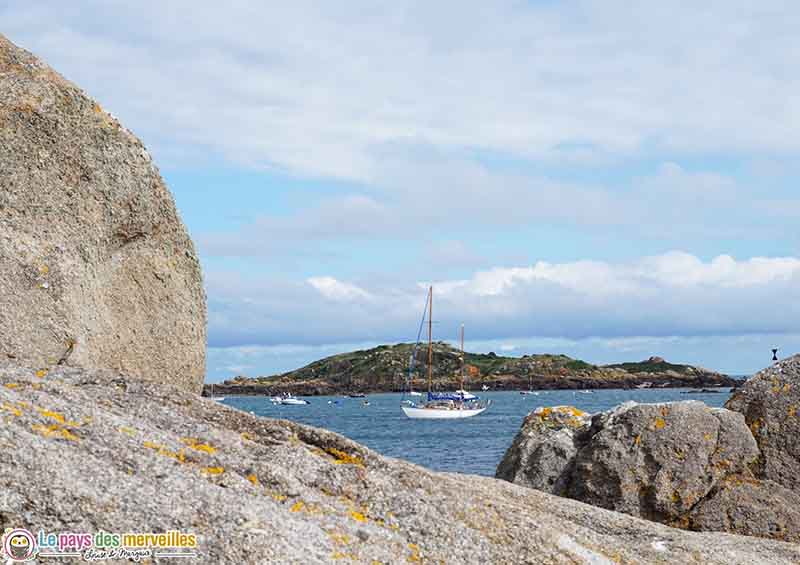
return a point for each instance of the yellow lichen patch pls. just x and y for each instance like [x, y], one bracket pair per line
[54, 430]
[343, 458]
[41, 373]
[676, 497]
[247, 436]
[97, 109]
[297, 506]
[707, 436]
[358, 516]
[792, 411]
[414, 557]
[152, 445]
[23, 405]
[13, 409]
[545, 412]
[253, 479]
[660, 423]
[571, 410]
[339, 539]
[11, 385]
[198, 446]
[755, 425]
[786, 387]
[637, 440]
[128, 431]
[214, 471]
[277, 496]
[52, 415]
[338, 555]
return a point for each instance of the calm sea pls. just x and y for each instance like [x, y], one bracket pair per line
[473, 445]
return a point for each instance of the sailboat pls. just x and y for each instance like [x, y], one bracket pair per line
[217, 398]
[530, 389]
[441, 406]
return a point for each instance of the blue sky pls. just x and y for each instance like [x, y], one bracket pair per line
[592, 178]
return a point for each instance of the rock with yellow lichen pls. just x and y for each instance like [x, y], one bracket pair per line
[89, 450]
[672, 463]
[96, 267]
[769, 402]
[543, 452]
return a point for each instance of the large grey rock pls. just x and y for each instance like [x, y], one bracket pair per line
[543, 452]
[750, 507]
[770, 401]
[96, 268]
[683, 464]
[90, 450]
[657, 461]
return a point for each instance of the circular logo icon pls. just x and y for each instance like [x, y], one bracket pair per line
[19, 545]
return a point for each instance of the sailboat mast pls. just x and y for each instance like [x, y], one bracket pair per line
[462, 357]
[430, 338]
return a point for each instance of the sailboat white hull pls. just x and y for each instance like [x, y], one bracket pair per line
[441, 413]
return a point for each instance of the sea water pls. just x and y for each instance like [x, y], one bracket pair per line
[471, 445]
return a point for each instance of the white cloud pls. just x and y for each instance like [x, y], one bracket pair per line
[671, 294]
[317, 88]
[338, 291]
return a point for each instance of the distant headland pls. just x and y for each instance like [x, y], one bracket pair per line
[385, 369]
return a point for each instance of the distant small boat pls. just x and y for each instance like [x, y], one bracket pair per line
[645, 385]
[288, 400]
[530, 389]
[293, 401]
[414, 393]
[357, 395]
[484, 388]
[365, 403]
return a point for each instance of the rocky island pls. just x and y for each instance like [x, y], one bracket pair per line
[385, 369]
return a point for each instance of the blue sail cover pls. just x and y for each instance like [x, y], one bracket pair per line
[454, 396]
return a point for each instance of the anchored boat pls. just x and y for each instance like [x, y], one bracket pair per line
[447, 405]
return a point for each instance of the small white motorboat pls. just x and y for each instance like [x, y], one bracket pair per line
[293, 401]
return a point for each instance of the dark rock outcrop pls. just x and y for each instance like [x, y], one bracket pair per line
[90, 450]
[96, 268]
[770, 403]
[674, 463]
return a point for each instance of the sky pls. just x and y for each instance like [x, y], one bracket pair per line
[608, 180]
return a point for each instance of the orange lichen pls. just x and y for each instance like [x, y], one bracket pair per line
[126, 430]
[54, 430]
[253, 479]
[343, 458]
[637, 440]
[297, 506]
[247, 436]
[41, 373]
[11, 385]
[414, 557]
[213, 471]
[198, 446]
[792, 411]
[660, 423]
